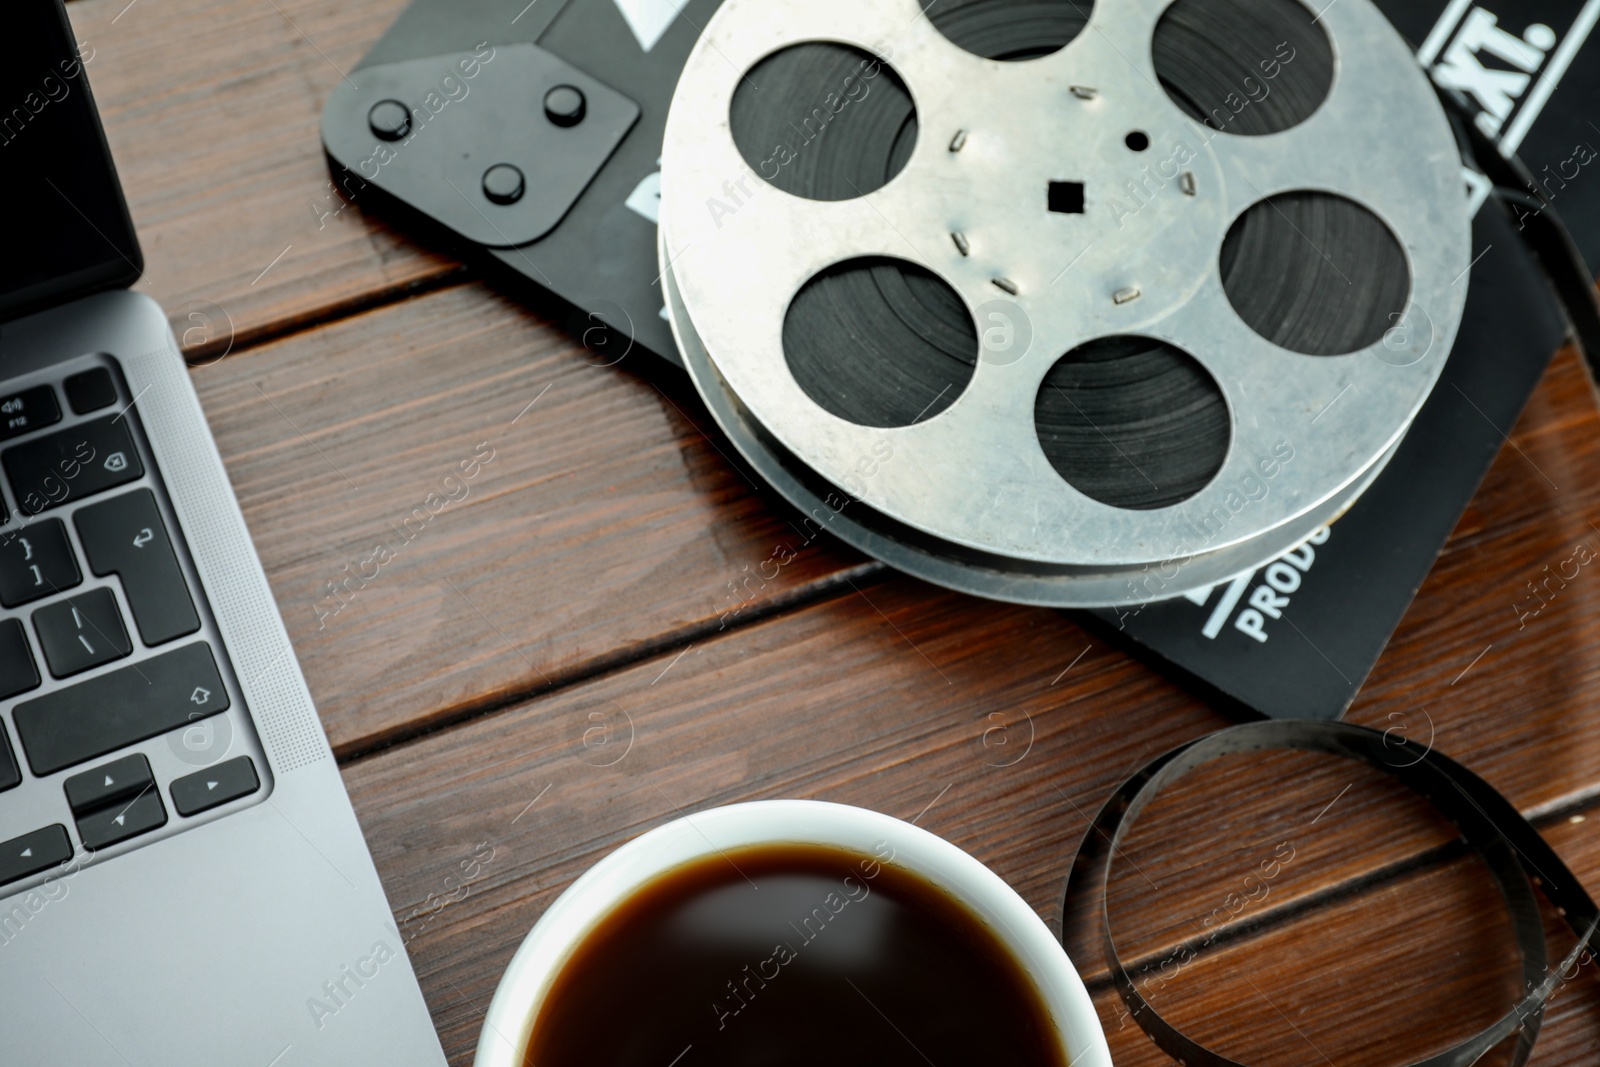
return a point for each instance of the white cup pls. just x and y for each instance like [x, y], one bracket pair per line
[559, 932]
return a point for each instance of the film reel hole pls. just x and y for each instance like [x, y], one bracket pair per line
[1133, 422]
[823, 121]
[880, 342]
[1247, 67]
[1137, 141]
[1315, 273]
[1009, 30]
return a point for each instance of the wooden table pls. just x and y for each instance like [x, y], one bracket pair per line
[584, 590]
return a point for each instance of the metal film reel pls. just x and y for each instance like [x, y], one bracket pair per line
[967, 497]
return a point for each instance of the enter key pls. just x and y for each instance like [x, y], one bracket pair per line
[125, 536]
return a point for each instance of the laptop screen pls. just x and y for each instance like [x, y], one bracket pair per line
[64, 229]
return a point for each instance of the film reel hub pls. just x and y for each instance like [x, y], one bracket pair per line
[1029, 199]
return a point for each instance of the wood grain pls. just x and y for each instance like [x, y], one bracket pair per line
[831, 702]
[358, 405]
[564, 629]
[610, 525]
[602, 525]
[556, 660]
[213, 109]
[891, 700]
[1386, 976]
[881, 699]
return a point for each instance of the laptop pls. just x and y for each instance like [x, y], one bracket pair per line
[182, 879]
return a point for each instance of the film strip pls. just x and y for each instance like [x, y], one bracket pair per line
[1517, 856]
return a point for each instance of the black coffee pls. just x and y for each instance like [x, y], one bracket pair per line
[792, 954]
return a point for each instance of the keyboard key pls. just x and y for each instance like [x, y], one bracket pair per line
[90, 391]
[121, 821]
[125, 536]
[28, 410]
[10, 773]
[17, 672]
[215, 786]
[35, 852]
[36, 561]
[118, 781]
[86, 459]
[116, 709]
[81, 632]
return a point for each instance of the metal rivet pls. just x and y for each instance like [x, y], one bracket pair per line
[389, 120]
[959, 141]
[1126, 296]
[962, 244]
[1007, 285]
[1084, 92]
[565, 105]
[503, 184]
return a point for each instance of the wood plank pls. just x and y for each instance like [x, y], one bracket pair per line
[886, 700]
[1549, 462]
[888, 703]
[834, 702]
[608, 525]
[883, 703]
[212, 110]
[1388, 976]
[604, 519]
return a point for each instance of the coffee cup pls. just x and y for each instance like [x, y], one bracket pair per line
[741, 830]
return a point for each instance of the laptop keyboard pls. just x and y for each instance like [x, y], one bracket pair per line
[78, 516]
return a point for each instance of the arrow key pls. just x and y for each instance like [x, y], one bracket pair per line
[35, 852]
[215, 786]
[120, 821]
[116, 782]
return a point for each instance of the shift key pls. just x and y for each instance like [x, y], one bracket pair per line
[113, 710]
[125, 536]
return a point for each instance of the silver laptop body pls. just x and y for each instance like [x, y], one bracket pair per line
[182, 879]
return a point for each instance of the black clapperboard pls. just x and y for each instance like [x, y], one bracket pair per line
[1293, 639]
